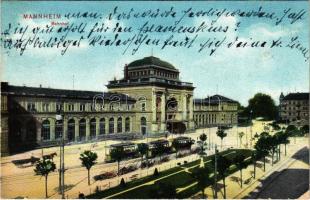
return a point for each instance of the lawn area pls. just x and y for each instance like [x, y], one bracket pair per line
[177, 177]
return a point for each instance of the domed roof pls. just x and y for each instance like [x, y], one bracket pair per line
[151, 60]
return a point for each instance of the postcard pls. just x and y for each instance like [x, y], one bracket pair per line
[154, 99]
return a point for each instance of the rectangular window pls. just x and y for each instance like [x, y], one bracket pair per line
[46, 107]
[71, 107]
[31, 106]
[82, 107]
[59, 106]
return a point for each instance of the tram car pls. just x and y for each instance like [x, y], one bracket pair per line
[130, 150]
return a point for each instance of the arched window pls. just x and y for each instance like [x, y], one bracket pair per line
[102, 126]
[127, 124]
[82, 129]
[143, 125]
[58, 129]
[45, 130]
[119, 125]
[111, 125]
[71, 130]
[92, 128]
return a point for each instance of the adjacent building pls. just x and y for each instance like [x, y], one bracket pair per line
[149, 100]
[215, 110]
[294, 108]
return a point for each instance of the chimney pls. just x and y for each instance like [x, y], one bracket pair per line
[126, 72]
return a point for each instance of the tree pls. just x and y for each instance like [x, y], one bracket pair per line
[43, 168]
[88, 159]
[202, 176]
[254, 157]
[262, 105]
[292, 131]
[282, 138]
[223, 165]
[160, 149]
[143, 149]
[304, 129]
[241, 134]
[122, 183]
[176, 145]
[285, 140]
[273, 142]
[118, 154]
[221, 133]
[262, 146]
[240, 163]
[275, 126]
[203, 137]
[156, 173]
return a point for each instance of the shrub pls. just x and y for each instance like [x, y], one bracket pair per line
[122, 184]
[156, 172]
[97, 189]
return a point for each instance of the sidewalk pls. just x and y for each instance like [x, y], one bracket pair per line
[233, 188]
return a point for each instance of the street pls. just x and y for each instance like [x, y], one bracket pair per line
[22, 182]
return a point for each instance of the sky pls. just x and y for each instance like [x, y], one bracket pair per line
[235, 73]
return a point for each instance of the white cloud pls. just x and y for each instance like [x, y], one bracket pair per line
[266, 31]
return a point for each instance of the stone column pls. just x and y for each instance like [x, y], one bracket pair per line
[191, 112]
[97, 126]
[65, 128]
[131, 124]
[38, 131]
[87, 128]
[107, 130]
[52, 129]
[154, 110]
[76, 129]
[163, 112]
[115, 124]
[123, 124]
[191, 108]
[184, 101]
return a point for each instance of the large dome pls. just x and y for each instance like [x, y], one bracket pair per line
[151, 60]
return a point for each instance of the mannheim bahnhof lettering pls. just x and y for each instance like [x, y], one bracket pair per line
[149, 101]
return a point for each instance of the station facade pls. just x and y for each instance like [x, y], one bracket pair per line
[150, 100]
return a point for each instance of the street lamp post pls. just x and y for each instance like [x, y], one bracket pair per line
[209, 126]
[215, 173]
[209, 138]
[251, 128]
[59, 117]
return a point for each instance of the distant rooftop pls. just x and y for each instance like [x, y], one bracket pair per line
[58, 93]
[297, 96]
[215, 99]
